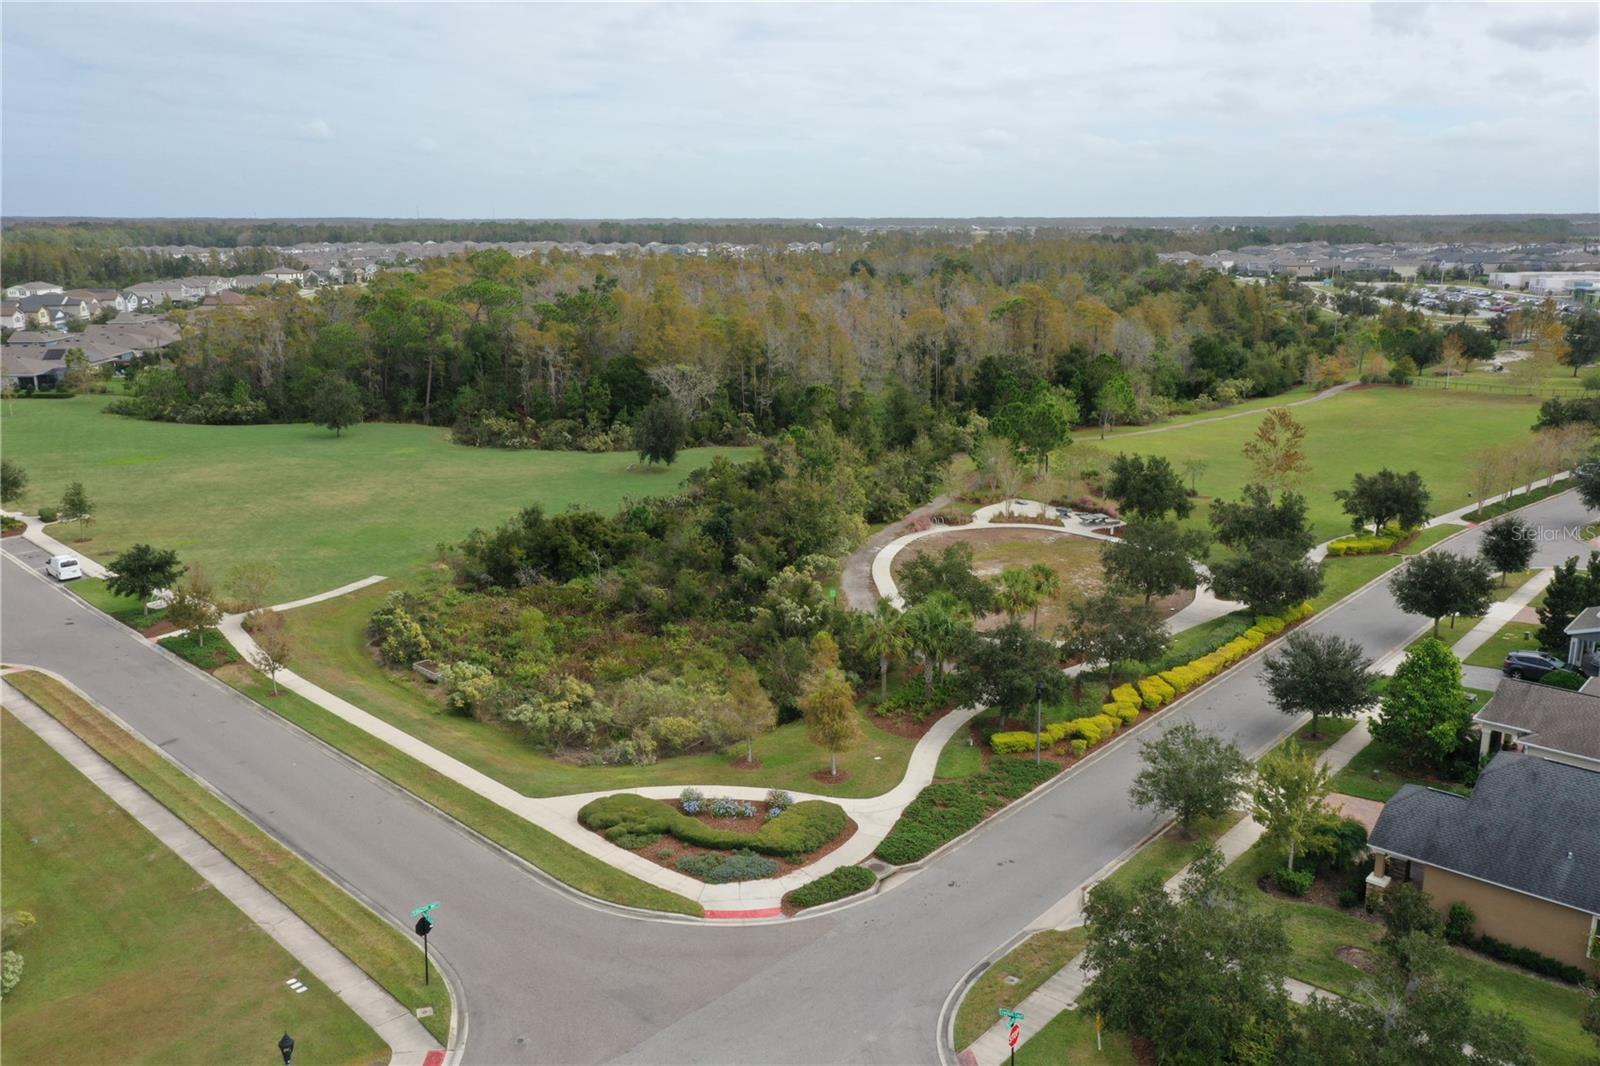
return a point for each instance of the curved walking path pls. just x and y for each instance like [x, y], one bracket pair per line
[874, 816]
[1325, 394]
[1203, 608]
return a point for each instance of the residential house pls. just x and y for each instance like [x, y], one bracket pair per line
[1583, 641]
[155, 293]
[1523, 852]
[1552, 723]
[102, 300]
[288, 274]
[31, 288]
[226, 298]
[43, 365]
[47, 308]
[250, 281]
[11, 316]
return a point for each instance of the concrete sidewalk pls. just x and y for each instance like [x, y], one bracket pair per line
[1503, 612]
[35, 533]
[1062, 990]
[874, 816]
[409, 1043]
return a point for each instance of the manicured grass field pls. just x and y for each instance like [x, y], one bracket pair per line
[1342, 576]
[1362, 430]
[135, 958]
[323, 510]
[1551, 1011]
[386, 953]
[958, 759]
[129, 610]
[1172, 851]
[331, 650]
[1329, 730]
[1431, 536]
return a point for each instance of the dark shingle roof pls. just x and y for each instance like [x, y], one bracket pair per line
[1531, 825]
[1547, 717]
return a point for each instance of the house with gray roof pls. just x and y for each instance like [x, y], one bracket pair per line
[1543, 720]
[1523, 852]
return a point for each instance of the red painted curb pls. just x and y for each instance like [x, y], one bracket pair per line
[765, 912]
[434, 1058]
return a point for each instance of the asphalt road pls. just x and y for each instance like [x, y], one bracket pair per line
[547, 979]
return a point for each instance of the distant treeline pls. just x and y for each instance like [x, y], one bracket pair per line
[240, 233]
[77, 267]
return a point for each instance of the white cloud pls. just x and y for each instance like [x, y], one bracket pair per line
[754, 110]
[1568, 29]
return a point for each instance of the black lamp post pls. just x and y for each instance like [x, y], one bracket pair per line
[286, 1045]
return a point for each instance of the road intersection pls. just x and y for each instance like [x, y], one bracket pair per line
[545, 976]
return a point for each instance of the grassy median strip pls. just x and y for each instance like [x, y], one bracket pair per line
[1032, 963]
[130, 946]
[511, 831]
[386, 954]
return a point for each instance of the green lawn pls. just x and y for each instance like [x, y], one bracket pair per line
[323, 510]
[1260, 403]
[1551, 1011]
[1452, 630]
[1346, 574]
[959, 758]
[1032, 962]
[1377, 771]
[1068, 1040]
[1431, 536]
[1513, 636]
[1359, 431]
[514, 833]
[331, 651]
[1329, 730]
[135, 958]
[1172, 851]
[386, 953]
[129, 610]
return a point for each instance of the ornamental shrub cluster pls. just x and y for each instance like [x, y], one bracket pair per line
[940, 813]
[806, 826]
[1149, 693]
[1371, 543]
[833, 885]
[721, 869]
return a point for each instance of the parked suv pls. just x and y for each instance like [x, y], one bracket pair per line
[1530, 665]
[63, 567]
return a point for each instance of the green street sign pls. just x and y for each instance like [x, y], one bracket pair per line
[417, 912]
[1012, 1016]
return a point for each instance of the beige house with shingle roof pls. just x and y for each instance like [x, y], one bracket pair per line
[1542, 720]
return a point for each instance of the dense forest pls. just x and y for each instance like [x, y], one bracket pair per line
[542, 352]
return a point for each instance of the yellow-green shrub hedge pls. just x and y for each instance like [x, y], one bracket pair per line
[1011, 743]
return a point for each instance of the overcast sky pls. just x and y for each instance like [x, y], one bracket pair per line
[821, 110]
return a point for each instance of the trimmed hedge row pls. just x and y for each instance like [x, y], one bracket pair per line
[806, 826]
[1528, 959]
[1149, 693]
[940, 813]
[833, 885]
[1370, 543]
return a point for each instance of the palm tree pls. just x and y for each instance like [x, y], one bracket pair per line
[936, 627]
[1015, 592]
[887, 639]
[1047, 586]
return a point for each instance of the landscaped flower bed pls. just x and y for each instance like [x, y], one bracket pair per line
[719, 839]
[1371, 543]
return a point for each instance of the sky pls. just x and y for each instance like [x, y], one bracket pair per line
[821, 110]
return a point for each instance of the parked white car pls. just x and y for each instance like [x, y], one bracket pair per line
[63, 567]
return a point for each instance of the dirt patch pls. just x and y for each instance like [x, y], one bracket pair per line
[1360, 958]
[829, 778]
[160, 629]
[747, 764]
[13, 532]
[907, 725]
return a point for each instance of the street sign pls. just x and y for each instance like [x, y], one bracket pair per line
[426, 908]
[286, 1045]
[424, 927]
[1012, 1016]
[1016, 1035]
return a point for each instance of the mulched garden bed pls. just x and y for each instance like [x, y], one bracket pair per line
[668, 849]
[907, 725]
[159, 629]
[828, 777]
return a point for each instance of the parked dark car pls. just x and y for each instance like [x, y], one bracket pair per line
[1530, 665]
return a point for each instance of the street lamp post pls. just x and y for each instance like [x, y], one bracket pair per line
[286, 1047]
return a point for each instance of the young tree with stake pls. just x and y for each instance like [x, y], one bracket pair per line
[1287, 799]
